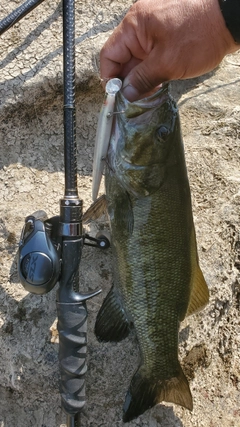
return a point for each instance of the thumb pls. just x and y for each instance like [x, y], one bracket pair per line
[142, 80]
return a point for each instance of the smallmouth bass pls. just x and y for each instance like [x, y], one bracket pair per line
[157, 278]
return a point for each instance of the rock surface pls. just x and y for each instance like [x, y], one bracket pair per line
[32, 178]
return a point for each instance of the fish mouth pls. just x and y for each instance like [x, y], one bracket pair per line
[133, 109]
[152, 95]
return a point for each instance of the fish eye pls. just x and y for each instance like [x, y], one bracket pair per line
[163, 132]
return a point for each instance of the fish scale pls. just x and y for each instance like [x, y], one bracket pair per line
[144, 268]
[156, 274]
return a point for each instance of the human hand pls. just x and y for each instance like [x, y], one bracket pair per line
[165, 40]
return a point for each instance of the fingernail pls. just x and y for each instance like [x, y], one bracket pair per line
[130, 92]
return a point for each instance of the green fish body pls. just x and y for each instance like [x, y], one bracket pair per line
[157, 278]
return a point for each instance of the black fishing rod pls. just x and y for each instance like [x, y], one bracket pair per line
[71, 305]
[50, 249]
[18, 14]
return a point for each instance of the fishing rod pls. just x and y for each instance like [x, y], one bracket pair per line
[50, 248]
[18, 14]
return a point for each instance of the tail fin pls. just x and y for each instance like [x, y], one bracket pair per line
[146, 391]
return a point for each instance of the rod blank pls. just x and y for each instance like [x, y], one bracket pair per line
[18, 14]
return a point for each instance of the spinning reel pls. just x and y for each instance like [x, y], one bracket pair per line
[39, 256]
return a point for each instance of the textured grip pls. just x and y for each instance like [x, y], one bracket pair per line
[72, 327]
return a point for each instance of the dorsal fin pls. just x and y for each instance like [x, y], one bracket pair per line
[199, 296]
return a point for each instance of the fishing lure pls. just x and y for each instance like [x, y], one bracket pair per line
[104, 132]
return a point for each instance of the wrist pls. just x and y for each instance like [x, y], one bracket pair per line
[231, 13]
[221, 38]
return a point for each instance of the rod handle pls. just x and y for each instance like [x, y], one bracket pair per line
[72, 328]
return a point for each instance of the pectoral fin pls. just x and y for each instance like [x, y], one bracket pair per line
[97, 209]
[123, 213]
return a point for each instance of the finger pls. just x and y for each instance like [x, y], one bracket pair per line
[112, 55]
[144, 78]
[121, 52]
[126, 68]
